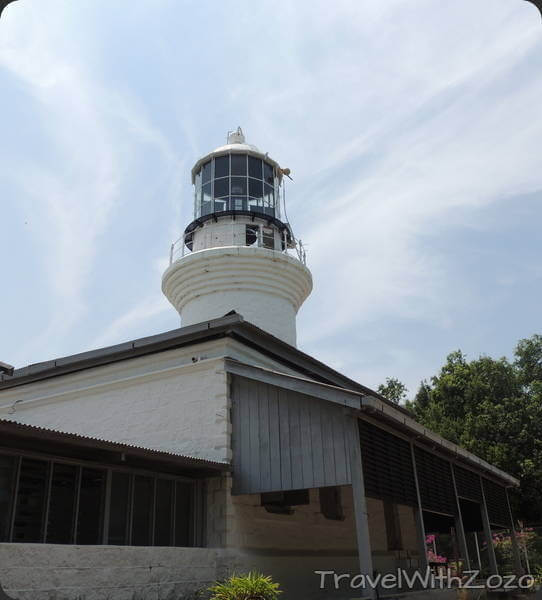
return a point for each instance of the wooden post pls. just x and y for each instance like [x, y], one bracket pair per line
[515, 546]
[360, 503]
[487, 533]
[459, 528]
[419, 515]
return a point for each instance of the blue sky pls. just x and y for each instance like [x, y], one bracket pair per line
[412, 128]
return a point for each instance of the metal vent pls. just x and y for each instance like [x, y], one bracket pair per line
[468, 484]
[497, 504]
[435, 481]
[387, 465]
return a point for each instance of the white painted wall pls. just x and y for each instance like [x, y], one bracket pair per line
[267, 287]
[162, 401]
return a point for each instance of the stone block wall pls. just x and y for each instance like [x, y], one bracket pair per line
[61, 572]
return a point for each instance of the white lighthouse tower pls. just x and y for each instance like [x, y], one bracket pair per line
[238, 253]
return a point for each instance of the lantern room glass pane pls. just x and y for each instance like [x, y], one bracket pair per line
[206, 200]
[29, 512]
[268, 173]
[255, 204]
[221, 204]
[62, 504]
[238, 203]
[7, 476]
[206, 172]
[222, 166]
[238, 164]
[222, 187]
[255, 167]
[269, 200]
[238, 186]
[91, 505]
[255, 188]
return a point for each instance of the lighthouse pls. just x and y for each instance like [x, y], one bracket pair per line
[239, 252]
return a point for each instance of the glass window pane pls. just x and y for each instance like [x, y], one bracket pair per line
[206, 172]
[163, 530]
[142, 516]
[255, 188]
[222, 187]
[268, 201]
[183, 514]
[7, 475]
[198, 180]
[206, 204]
[268, 173]
[29, 512]
[62, 504]
[238, 186]
[238, 164]
[268, 238]
[238, 203]
[91, 505]
[255, 167]
[222, 166]
[119, 508]
[255, 204]
[221, 204]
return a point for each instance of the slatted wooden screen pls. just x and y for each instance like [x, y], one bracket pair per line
[285, 440]
[435, 481]
[497, 504]
[468, 484]
[387, 465]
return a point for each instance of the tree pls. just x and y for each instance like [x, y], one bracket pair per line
[493, 408]
[393, 390]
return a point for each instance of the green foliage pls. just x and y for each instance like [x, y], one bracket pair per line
[393, 390]
[494, 409]
[252, 586]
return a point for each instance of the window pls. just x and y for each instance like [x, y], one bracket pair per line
[282, 502]
[29, 511]
[91, 505]
[163, 528]
[268, 238]
[239, 182]
[252, 234]
[119, 509]
[330, 503]
[63, 503]
[7, 475]
[142, 511]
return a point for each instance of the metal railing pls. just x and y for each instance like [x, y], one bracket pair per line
[179, 248]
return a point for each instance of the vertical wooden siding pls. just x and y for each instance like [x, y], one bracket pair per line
[284, 440]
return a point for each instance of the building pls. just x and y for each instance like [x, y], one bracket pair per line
[150, 468]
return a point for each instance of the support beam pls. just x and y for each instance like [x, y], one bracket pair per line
[360, 503]
[419, 516]
[515, 546]
[487, 533]
[459, 528]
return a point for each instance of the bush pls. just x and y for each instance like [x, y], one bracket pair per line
[252, 586]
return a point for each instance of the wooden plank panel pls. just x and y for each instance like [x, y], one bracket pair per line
[274, 439]
[296, 444]
[340, 455]
[328, 447]
[254, 419]
[306, 449]
[284, 441]
[315, 414]
[264, 435]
